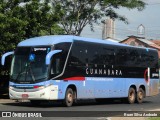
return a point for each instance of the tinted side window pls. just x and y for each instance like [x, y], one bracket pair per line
[153, 59]
[78, 54]
[122, 56]
[77, 60]
[57, 64]
[62, 46]
[133, 58]
[108, 55]
[92, 53]
[58, 60]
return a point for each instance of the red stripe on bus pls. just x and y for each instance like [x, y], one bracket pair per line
[75, 78]
[146, 77]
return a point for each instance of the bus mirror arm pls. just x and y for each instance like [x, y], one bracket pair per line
[4, 57]
[50, 54]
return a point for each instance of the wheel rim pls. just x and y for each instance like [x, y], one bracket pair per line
[69, 97]
[140, 95]
[131, 96]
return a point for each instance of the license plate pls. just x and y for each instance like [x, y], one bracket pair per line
[25, 96]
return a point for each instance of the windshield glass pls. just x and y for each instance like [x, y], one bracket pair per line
[28, 64]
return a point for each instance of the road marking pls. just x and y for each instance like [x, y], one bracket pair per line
[104, 118]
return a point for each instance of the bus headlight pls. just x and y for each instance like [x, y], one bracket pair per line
[39, 87]
[11, 87]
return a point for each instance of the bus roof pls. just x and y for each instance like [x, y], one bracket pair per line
[54, 39]
[45, 40]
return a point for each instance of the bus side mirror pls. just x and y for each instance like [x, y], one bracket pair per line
[4, 57]
[50, 54]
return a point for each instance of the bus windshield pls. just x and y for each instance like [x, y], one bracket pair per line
[28, 64]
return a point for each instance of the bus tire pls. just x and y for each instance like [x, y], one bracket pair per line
[69, 97]
[131, 95]
[140, 95]
[75, 97]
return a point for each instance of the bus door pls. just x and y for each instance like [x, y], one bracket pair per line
[151, 77]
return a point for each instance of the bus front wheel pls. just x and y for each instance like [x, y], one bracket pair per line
[131, 95]
[140, 95]
[69, 97]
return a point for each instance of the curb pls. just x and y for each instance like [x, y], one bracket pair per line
[6, 101]
[12, 101]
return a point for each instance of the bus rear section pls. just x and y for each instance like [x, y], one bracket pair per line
[114, 71]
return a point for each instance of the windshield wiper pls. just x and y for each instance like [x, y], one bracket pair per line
[19, 75]
[26, 71]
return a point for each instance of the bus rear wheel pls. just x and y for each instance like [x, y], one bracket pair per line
[140, 95]
[69, 97]
[131, 95]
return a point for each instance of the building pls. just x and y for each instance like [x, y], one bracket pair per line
[157, 42]
[142, 42]
[108, 29]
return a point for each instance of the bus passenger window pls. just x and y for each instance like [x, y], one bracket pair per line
[56, 65]
[55, 69]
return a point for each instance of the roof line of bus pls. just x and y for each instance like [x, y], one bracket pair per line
[54, 39]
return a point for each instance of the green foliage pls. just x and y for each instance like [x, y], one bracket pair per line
[154, 118]
[21, 19]
[10, 31]
[74, 15]
[38, 18]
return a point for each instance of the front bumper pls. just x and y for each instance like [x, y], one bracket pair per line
[48, 93]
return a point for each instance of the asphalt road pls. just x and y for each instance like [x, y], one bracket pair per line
[82, 109]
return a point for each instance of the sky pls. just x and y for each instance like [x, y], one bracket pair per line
[149, 18]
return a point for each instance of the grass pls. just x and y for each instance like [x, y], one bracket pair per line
[154, 118]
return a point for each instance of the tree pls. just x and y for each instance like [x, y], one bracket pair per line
[21, 19]
[74, 15]
[39, 18]
[11, 27]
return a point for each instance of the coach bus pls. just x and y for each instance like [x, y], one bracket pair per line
[68, 68]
